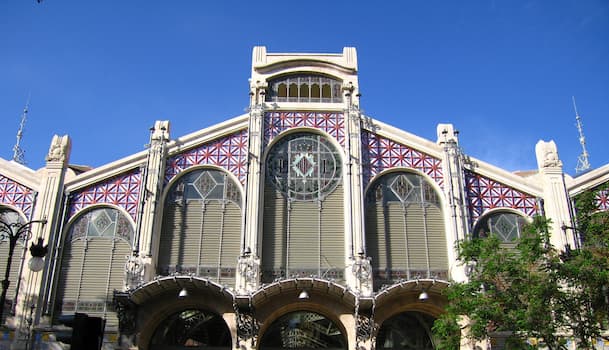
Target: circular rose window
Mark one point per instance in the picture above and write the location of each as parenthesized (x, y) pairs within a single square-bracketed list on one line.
[(304, 166)]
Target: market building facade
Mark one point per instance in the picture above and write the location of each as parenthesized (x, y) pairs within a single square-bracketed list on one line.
[(303, 223)]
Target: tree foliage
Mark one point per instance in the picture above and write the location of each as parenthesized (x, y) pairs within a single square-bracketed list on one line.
[(530, 293)]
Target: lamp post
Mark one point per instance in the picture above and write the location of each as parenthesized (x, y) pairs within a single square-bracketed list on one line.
[(13, 231)]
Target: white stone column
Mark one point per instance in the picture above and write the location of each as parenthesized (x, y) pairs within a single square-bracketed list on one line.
[(248, 272), (455, 213), (555, 195), (34, 290), (141, 266), (358, 273)]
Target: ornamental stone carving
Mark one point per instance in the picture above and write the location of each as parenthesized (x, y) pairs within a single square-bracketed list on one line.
[(362, 271), (249, 272), (59, 151), (134, 268), (547, 154)]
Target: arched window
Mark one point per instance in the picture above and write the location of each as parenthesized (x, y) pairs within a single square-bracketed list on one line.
[(304, 91), (305, 88), (506, 225), (303, 330), (192, 329), (303, 229), (293, 92), (405, 235), (11, 217), (201, 228), (92, 265), (282, 90), (315, 91), (406, 331)]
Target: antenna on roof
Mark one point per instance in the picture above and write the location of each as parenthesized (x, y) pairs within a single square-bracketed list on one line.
[(18, 153), (583, 164)]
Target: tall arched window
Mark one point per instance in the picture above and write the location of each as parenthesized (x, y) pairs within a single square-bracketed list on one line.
[(405, 233), (93, 262), (303, 233), (202, 227)]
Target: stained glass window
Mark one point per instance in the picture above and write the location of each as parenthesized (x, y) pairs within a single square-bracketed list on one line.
[(205, 184), (405, 188), (102, 222), (507, 226), (304, 166)]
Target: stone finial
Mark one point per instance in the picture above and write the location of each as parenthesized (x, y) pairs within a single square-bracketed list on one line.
[(160, 131), (447, 133), (60, 148), (547, 154)]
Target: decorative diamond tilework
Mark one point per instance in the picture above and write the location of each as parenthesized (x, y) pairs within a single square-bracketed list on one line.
[(276, 122), (380, 153), (17, 195), (602, 200), (123, 191), (484, 194), (229, 152)]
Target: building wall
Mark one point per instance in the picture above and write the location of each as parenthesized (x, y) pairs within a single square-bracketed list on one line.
[(347, 233)]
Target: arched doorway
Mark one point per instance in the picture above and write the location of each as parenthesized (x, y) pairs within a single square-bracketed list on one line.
[(303, 330), (191, 329), (408, 331)]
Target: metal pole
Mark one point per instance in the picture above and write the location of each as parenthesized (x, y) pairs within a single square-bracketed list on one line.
[(13, 231)]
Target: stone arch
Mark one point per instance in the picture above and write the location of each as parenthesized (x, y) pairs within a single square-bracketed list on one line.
[(160, 300)]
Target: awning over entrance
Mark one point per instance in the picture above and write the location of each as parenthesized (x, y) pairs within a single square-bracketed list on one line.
[(163, 285)]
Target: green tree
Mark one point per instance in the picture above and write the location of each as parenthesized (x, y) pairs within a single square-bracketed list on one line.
[(529, 291)]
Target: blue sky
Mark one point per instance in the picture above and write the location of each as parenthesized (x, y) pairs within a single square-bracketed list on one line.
[(502, 71)]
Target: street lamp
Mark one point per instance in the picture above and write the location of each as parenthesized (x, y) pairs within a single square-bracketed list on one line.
[(12, 231)]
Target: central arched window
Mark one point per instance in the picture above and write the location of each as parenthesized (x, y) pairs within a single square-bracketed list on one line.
[(304, 88), (303, 229)]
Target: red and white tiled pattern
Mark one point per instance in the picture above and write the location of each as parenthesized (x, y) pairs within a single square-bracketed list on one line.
[(380, 153), (17, 195), (602, 200), (484, 194), (276, 122), (122, 191), (229, 152)]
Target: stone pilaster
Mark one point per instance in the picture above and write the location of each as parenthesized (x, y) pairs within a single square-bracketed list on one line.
[(455, 214), (248, 273), (35, 291), (358, 273), (555, 195), (142, 264)]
